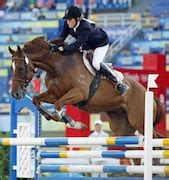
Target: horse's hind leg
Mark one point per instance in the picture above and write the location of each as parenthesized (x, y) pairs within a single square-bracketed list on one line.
[(119, 124)]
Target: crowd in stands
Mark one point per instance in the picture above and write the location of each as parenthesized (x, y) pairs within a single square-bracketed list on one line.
[(159, 8), (154, 39), (24, 28), (22, 5), (18, 5)]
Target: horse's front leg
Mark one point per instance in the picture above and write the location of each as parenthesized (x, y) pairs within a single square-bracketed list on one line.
[(48, 98), (73, 96)]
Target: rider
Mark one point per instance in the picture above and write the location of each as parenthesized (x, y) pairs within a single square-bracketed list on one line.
[(88, 36)]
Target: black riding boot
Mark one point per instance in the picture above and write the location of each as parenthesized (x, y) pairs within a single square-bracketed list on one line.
[(119, 85)]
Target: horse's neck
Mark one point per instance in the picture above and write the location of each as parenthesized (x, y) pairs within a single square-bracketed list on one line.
[(46, 64), (58, 65)]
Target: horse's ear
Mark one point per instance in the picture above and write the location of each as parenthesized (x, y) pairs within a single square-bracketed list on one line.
[(11, 50), (19, 49)]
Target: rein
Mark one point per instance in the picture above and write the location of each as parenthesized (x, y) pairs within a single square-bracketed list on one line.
[(26, 79)]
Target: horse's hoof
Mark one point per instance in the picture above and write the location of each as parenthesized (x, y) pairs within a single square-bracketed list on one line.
[(83, 126), (55, 118), (58, 106), (48, 118)]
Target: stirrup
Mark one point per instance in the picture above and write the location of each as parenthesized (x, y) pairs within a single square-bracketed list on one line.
[(121, 88)]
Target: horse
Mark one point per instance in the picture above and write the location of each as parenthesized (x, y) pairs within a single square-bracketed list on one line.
[(68, 82)]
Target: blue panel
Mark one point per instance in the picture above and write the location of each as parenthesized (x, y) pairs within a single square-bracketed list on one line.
[(114, 154), (49, 154), (56, 143), (49, 168), (114, 169), (127, 140)]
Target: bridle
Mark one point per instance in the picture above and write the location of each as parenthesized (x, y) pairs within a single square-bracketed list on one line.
[(26, 79)]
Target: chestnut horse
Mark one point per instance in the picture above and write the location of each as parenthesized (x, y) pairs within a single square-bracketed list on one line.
[(68, 82)]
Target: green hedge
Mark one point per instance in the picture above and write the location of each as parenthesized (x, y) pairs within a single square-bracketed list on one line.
[(4, 159)]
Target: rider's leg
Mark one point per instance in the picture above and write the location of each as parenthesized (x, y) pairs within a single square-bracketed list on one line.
[(103, 68), (98, 56), (120, 86)]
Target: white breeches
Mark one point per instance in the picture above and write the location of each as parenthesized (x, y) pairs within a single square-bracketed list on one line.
[(98, 56)]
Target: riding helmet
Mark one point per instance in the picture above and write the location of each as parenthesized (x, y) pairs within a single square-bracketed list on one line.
[(72, 12)]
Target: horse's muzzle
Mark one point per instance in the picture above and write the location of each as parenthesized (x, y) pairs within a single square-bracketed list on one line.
[(18, 93)]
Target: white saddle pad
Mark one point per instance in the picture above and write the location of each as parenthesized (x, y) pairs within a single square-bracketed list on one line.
[(93, 71)]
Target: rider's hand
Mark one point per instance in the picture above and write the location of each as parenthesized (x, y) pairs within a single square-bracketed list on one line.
[(80, 49), (54, 48), (60, 48)]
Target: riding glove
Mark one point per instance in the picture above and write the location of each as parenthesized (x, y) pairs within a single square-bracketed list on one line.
[(54, 48)]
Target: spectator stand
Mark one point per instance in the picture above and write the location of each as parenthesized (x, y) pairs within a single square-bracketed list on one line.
[(20, 27), (152, 39)]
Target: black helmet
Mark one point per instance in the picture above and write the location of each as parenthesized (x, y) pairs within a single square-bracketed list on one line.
[(72, 12)]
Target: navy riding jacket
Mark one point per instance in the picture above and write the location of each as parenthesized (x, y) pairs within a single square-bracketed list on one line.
[(87, 36)]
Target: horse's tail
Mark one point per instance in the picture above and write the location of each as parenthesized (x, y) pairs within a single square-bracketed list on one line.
[(159, 116)]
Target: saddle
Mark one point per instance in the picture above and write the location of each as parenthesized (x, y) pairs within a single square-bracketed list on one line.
[(87, 60)]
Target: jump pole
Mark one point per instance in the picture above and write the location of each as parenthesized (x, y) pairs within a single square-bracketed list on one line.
[(148, 127)]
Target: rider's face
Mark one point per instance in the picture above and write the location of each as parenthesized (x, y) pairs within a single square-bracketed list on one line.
[(71, 22)]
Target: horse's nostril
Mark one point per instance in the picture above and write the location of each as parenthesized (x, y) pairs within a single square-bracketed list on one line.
[(16, 94)]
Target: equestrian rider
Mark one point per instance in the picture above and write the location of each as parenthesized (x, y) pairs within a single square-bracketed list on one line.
[(88, 36)]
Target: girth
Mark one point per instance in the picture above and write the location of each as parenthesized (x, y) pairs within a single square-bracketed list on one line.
[(93, 88)]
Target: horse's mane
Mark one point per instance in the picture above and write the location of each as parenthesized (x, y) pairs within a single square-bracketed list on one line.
[(36, 45)]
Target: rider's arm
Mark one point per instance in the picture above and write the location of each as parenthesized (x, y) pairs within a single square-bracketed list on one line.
[(84, 34)]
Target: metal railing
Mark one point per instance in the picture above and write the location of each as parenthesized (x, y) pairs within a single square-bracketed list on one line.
[(122, 40), (115, 19), (132, 22)]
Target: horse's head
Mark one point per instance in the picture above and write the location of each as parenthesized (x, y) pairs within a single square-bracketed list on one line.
[(22, 72)]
